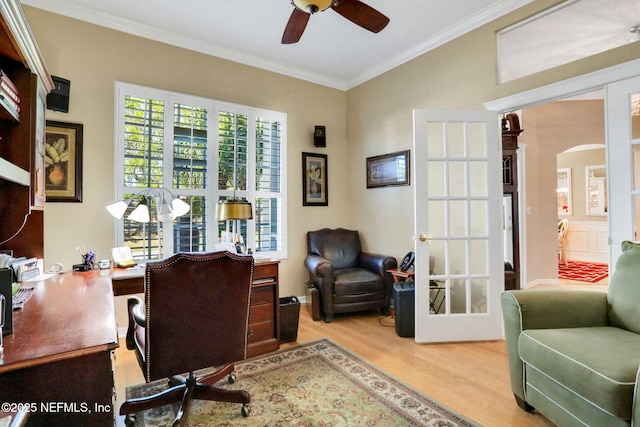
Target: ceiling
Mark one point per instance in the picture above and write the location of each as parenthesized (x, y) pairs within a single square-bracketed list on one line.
[(333, 51)]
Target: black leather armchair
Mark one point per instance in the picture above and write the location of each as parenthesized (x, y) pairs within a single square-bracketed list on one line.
[(347, 279)]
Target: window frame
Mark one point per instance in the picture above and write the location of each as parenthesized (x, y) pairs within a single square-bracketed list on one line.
[(211, 192)]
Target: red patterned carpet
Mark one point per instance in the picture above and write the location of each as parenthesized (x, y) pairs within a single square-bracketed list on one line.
[(583, 271)]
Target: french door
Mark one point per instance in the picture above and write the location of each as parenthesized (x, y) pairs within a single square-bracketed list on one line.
[(623, 163), (458, 225)]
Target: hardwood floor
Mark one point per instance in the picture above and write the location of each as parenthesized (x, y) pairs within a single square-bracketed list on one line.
[(470, 378)]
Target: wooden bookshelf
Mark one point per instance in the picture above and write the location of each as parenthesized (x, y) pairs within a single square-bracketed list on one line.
[(22, 128)]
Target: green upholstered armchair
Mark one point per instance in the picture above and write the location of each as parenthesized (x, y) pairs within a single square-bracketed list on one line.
[(574, 355)]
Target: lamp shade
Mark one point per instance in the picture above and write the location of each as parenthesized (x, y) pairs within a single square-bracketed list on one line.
[(234, 209), (141, 212), (165, 213), (117, 209), (312, 6), (179, 207)]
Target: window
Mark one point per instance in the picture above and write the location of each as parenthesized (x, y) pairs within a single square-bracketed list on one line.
[(202, 151)]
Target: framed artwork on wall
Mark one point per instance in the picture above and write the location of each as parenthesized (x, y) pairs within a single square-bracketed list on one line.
[(63, 162), (314, 180), (389, 169), (564, 192), (596, 180)]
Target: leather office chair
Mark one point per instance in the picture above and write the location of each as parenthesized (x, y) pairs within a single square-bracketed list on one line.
[(180, 327), (347, 279)]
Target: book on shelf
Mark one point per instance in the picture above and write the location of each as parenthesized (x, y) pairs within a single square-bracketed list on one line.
[(6, 89), (8, 100), (9, 108), (6, 82)]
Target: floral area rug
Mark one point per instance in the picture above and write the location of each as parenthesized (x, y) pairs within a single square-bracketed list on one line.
[(584, 271), (314, 384)]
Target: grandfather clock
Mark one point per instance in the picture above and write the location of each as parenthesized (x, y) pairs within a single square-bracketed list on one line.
[(510, 131)]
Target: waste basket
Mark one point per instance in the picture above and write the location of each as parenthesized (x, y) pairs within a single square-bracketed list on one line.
[(404, 297), (289, 315)]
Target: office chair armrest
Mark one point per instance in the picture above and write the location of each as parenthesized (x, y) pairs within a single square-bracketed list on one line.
[(136, 317)]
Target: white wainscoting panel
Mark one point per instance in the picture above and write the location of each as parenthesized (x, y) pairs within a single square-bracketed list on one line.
[(588, 241)]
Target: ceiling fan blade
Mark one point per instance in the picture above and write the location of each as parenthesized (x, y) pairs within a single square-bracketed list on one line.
[(295, 27), (361, 14)]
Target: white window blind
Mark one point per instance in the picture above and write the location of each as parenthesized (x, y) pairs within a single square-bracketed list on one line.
[(169, 140)]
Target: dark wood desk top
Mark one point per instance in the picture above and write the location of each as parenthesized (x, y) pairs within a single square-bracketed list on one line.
[(68, 315), (127, 281)]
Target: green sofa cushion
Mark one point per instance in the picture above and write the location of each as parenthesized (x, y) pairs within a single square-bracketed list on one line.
[(624, 289), (597, 363)]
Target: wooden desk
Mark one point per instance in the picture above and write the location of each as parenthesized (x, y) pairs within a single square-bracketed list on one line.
[(58, 358), (264, 321)]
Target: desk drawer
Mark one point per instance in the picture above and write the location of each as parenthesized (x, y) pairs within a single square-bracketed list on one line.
[(263, 271), (262, 295), (260, 313), (260, 331)]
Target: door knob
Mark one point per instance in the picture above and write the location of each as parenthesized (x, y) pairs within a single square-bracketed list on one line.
[(423, 237)]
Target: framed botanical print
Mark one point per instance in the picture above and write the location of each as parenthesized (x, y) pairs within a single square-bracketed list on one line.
[(314, 180), (63, 162)]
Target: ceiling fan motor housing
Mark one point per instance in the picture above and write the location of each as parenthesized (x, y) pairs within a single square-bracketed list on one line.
[(312, 6)]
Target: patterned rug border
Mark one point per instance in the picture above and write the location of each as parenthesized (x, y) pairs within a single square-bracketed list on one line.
[(417, 408), (584, 271)]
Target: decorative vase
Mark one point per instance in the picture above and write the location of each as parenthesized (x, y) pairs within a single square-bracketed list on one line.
[(56, 176)]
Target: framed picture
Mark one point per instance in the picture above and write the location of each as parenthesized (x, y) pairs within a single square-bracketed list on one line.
[(314, 180), (389, 169), (564, 192), (596, 180), (63, 162)]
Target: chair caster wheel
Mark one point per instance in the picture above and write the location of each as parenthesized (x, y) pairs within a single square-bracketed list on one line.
[(232, 378), (246, 410), (130, 420)]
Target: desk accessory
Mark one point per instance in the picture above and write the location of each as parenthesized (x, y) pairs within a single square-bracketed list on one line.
[(122, 257), (21, 297), (88, 260)]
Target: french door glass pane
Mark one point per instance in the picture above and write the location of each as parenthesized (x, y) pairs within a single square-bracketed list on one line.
[(455, 140), (436, 141), (436, 217), (479, 290), (477, 140), (457, 218), (457, 257), (457, 178), (435, 179)]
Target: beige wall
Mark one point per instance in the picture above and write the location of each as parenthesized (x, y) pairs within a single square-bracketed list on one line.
[(373, 118), (93, 58)]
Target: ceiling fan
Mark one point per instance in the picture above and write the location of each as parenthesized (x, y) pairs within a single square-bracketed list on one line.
[(354, 10)]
